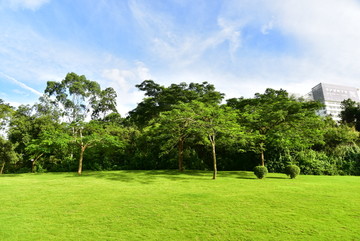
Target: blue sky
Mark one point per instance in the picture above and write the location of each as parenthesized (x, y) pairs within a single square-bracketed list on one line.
[(240, 46)]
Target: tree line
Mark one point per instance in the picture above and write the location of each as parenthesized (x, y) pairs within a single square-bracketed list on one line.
[(75, 126)]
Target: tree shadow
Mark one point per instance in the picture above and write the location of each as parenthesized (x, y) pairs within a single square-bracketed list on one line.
[(252, 178), (277, 177), (4, 175), (175, 175), (144, 176), (240, 175), (112, 176), (150, 176)]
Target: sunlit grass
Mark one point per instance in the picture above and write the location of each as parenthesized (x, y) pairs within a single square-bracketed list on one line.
[(167, 205)]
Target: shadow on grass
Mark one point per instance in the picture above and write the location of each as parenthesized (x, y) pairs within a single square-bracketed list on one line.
[(10, 175), (249, 175), (241, 175), (277, 177), (150, 176), (142, 176)]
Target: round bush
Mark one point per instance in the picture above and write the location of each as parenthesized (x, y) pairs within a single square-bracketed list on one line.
[(292, 171), (260, 171)]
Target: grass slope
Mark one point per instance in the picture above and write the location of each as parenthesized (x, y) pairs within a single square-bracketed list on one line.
[(166, 205)]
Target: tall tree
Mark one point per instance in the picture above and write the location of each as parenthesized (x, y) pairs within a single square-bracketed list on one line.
[(105, 104), (80, 99), (174, 127), (196, 120), (272, 113), (76, 96), (213, 121)]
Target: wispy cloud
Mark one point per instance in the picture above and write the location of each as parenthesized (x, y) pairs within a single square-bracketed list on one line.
[(323, 38), (22, 85), (230, 31), (265, 28), (123, 81), (34, 59), (329, 32), (183, 45), (24, 4)]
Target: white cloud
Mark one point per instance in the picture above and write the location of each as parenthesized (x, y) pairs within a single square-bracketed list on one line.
[(34, 59), (230, 31), (323, 36), (179, 46), (330, 34), (24, 4), (265, 29), (124, 81)]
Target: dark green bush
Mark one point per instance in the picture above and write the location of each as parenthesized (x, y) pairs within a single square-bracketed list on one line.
[(260, 171), (292, 171), (315, 163)]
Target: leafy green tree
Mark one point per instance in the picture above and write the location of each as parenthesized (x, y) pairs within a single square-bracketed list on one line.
[(194, 120), (89, 134), (212, 121), (341, 146), (111, 151), (22, 129), (5, 113), (276, 117), (75, 95), (7, 153), (48, 142), (174, 127), (27, 125), (350, 113), (159, 98), (303, 130), (105, 104), (336, 135), (79, 99), (47, 108)]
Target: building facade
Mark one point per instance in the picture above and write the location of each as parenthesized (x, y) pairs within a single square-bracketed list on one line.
[(332, 96)]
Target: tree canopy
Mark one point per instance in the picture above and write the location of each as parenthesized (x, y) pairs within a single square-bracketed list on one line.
[(159, 98)]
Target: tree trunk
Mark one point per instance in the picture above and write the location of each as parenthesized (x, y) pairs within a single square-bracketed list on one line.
[(33, 162), (262, 150), (2, 167), (72, 150), (181, 154), (33, 166), (83, 148), (212, 140)]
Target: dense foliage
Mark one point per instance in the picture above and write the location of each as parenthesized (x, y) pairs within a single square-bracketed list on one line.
[(75, 126)]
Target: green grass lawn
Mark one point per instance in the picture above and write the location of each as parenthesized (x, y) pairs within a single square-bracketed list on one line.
[(166, 205)]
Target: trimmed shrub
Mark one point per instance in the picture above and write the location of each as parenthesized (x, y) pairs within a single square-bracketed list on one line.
[(292, 171), (260, 171)]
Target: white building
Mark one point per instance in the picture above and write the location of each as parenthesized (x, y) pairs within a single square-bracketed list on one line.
[(332, 96)]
